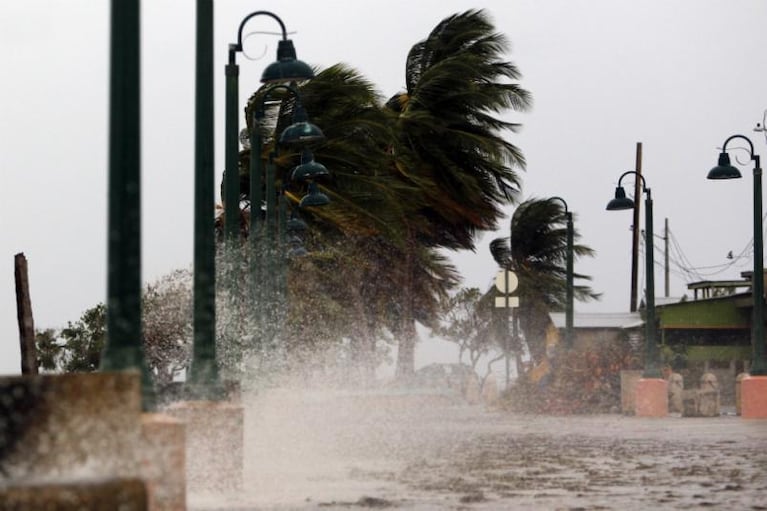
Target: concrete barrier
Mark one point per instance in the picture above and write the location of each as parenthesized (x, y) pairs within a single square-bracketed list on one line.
[(69, 426), (164, 461), (629, 379), (110, 494), (214, 444)]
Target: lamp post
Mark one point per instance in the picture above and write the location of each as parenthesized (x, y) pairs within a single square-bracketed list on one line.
[(124, 348), (620, 202), (651, 391), (285, 69), (569, 311), (203, 374), (725, 170), (300, 132), (754, 388)]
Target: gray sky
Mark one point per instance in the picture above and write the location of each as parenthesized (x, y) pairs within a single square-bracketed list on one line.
[(680, 76)]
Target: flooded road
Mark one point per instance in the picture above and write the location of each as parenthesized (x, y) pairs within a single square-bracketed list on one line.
[(335, 451)]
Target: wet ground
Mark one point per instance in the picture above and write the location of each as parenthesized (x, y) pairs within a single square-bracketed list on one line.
[(344, 452)]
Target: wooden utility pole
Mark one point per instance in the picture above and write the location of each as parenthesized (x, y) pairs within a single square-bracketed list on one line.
[(635, 228), (24, 314), (665, 257)]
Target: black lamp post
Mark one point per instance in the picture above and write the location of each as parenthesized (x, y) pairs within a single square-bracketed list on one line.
[(569, 311), (203, 374), (620, 202), (268, 274), (725, 170), (285, 69), (124, 349)]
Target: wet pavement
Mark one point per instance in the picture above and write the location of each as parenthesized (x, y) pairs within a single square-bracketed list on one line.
[(333, 451)]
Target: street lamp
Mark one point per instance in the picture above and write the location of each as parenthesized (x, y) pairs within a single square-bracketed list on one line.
[(124, 349), (286, 68), (569, 285), (620, 202), (203, 381), (299, 133), (651, 391), (725, 170)]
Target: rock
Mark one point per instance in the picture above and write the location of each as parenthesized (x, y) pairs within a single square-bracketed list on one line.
[(675, 388)]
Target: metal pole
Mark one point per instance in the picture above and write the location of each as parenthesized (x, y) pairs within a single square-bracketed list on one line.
[(569, 310), (652, 354), (204, 371), (124, 349), (506, 330), (635, 232), (256, 176), (758, 368), (232, 173)]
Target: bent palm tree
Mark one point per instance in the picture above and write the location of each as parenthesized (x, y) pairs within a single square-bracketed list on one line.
[(450, 143), (537, 251)]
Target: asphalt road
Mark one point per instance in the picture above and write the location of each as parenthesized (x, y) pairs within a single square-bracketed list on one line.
[(335, 451)]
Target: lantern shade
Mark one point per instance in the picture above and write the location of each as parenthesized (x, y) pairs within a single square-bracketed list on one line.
[(309, 169), (300, 133), (314, 198), (724, 169), (620, 201), (287, 68)]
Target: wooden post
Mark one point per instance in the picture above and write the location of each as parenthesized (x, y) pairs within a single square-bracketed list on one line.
[(24, 314)]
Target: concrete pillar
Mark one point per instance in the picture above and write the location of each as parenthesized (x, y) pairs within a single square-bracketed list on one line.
[(164, 461), (214, 444), (76, 425), (754, 397), (651, 397)]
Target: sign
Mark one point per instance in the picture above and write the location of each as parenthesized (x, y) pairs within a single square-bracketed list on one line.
[(506, 282)]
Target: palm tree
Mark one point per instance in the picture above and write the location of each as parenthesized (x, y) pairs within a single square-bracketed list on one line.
[(536, 251), (450, 143)]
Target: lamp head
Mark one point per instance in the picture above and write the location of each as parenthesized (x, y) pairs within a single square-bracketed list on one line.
[(620, 201), (295, 224), (724, 169), (309, 169), (314, 198), (302, 131), (287, 68)]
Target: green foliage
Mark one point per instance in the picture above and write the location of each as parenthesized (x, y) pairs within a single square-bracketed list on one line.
[(586, 381), (49, 350), (167, 315), (467, 320), (537, 252), (84, 341)]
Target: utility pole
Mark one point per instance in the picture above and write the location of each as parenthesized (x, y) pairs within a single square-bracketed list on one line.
[(665, 257), (635, 228)]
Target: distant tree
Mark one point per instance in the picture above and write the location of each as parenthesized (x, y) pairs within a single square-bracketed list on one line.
[(167, 316), (464, 323), (83, 341), (49, 349), (537, 252), (467, 320), (167, 325)]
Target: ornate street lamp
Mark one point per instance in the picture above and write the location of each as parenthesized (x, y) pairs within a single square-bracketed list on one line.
[(620, 202), (569, 338), (287, 68), (651, 391), (725, 170), (300, 133)]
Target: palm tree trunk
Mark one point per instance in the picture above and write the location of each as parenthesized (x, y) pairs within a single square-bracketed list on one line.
[(407, 332)]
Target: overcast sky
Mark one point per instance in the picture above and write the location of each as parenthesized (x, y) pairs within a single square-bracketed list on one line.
[(678, 76)]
